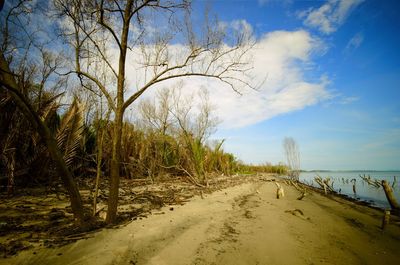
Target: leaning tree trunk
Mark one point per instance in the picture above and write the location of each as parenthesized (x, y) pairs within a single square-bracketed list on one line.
[(8, 82), (390, 197)]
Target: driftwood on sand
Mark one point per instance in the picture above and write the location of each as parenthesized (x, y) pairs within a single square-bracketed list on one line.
[(300, 188)]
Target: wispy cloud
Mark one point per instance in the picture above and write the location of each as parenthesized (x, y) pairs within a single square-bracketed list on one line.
[(348, 100), (281, 56), (330, 16), (354, 42)]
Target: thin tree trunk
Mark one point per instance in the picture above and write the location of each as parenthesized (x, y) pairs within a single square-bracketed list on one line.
[(100, 140), (98, 170), (119, 116), (8, 82), (115, 170)]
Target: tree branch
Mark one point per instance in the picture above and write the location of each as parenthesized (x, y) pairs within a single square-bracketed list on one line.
[(105, 25), (98, 83)]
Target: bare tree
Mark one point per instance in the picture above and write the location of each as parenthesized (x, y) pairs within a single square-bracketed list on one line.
[(131, 26), (292, 154), (194, 127), (156, 117), (173, 116), (156, 113)]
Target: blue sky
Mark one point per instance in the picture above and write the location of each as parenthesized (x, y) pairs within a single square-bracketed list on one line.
[(350, 61), (333, 81)]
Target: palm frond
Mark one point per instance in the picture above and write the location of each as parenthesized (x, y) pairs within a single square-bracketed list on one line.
[(70, 131)]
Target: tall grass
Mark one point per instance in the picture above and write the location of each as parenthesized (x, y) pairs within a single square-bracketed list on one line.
[(280, 169)]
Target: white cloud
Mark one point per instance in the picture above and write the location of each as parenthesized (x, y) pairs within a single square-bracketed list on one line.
[(330, 15), (354, 42), (281, 56)]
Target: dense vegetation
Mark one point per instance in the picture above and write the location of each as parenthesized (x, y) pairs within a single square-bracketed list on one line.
[(150, 149), (65, 96)]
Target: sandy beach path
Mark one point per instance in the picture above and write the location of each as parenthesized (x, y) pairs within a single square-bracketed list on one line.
[(245, 224)]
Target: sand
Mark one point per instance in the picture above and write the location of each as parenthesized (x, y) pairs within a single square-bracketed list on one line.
[(244, 224)]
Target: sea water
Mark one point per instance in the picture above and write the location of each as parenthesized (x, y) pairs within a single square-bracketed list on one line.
[(364, 192)]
